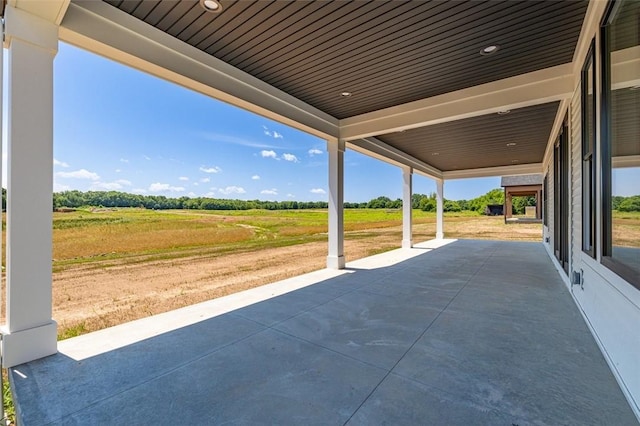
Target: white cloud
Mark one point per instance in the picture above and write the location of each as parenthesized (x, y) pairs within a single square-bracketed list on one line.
[(255, 177), (60, 163), (139, 191), (164, 187), (273, 134), (290, 157), (110, 186), (232, 190), (272, 191), (205, 180), (118, 170), (318, 191), (210, 194), (314, 151), (290, 196), (191, 194), (59, 188), (146, 157), (218, 138), (214, 169), (183, 178), (124, 160), (268, 154), (79, 174)]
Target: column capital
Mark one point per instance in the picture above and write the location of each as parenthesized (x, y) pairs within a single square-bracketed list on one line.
[(32, 29), (339, 144)]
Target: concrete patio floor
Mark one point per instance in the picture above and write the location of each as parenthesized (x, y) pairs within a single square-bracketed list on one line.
[(448, 333)]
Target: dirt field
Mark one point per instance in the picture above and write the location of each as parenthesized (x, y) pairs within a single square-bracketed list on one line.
[(107, 291), (112, 266)]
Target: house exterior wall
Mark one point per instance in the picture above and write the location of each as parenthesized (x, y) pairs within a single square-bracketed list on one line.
[(575, 131), (609, 304)]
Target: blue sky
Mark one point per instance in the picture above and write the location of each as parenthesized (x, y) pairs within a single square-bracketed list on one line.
[(116, 128)]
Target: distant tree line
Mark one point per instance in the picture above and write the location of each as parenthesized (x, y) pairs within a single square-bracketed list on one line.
[(75, 199), (626, 204)]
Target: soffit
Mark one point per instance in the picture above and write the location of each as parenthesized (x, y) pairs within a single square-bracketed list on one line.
[(385, 53), (480, 142)]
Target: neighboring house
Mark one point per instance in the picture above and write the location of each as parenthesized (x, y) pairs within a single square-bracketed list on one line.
[(448, 90)]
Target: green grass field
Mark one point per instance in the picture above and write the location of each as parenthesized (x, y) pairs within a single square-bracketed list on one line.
[(139, 235), (84, 235)]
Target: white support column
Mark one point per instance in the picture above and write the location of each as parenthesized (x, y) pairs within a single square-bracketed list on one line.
[(407, 218), (440, 209), (335, 259), (32, 43)]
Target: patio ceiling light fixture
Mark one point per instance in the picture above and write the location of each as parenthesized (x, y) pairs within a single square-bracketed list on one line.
[(512, 144), (504, 112), (345, 94), (489, 50), (212, 6)]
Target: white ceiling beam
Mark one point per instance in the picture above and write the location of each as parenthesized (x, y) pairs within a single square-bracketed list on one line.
[(538, 87), (625, 161), (590, 27), (520, 169), (375, 148), (625, 66), (49, 10), (107, 31), (555, 131)]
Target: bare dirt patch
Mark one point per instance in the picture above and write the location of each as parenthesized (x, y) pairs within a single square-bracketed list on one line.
[(89, 299)]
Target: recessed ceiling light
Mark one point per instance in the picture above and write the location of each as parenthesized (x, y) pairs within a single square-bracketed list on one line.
[(345, 94), (435, 153), (512, 144), (213, 6), (489, 50), (504, 112)]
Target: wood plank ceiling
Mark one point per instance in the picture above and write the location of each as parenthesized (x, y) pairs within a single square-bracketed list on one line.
[(384, 53), (485, 141)]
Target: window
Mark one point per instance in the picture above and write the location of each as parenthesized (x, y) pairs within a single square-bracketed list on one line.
[(620, 147), (561, 198), (588, 148)]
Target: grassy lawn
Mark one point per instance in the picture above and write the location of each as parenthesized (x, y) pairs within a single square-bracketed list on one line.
[(102, 234), (138, 235)]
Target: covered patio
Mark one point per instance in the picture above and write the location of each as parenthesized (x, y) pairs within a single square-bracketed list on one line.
[(448, 332)]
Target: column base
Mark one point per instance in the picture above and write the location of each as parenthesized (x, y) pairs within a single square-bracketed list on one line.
[(28, 345), (439, 235), (335, 262), (406, 244)]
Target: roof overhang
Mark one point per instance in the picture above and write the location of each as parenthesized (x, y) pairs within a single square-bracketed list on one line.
[(109, 32)]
